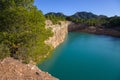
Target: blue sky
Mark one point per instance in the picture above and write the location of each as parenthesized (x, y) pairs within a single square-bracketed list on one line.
[(69, 7)]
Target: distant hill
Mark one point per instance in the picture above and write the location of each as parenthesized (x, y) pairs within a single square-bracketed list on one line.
[(102, 16), (84, 15), (78, 15), (87, 15)]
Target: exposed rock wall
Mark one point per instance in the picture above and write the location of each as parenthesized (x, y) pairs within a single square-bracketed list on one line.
[(60, 30), (74, 26)]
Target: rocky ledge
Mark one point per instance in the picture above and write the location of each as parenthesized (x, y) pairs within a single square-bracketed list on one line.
[(11, 69)]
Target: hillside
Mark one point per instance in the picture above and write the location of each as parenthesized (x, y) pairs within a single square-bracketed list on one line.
[(78, 15), (89, 22), (84, 15)]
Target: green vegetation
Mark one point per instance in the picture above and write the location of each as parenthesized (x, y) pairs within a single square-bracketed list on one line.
[(89, 22), (113, 22), (91, 19), (4, 51), (22, 31), (55, 18), (86, 18)]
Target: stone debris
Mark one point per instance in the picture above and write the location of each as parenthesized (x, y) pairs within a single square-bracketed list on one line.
[(11, 69)]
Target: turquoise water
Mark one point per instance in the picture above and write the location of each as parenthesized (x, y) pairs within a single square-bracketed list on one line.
[(85, 57)]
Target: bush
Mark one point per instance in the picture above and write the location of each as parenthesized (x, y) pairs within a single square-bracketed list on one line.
[(55, 19), (4, 51)]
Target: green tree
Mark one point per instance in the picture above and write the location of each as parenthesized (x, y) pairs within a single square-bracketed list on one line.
[(114, 22), (8, 4), (54, 18), (22, 30)]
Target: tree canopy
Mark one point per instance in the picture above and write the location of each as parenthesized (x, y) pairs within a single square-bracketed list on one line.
[(55, 17), (22, 30)]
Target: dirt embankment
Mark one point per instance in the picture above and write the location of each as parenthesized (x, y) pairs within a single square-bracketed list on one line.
[(11, 69)]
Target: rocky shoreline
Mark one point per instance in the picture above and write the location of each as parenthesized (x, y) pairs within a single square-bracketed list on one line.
[(100, 31), (94, 30)]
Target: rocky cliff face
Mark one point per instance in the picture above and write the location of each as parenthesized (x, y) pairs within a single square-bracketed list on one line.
[(74, 27), (60, 30)]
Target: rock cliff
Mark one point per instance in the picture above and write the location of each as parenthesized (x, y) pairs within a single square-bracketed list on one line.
[(74, 27), (60, 30)]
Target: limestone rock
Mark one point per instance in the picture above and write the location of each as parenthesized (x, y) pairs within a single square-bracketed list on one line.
[(59, 30)]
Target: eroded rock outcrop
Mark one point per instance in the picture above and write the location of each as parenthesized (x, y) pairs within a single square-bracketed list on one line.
[(60, 30), (11, 69)]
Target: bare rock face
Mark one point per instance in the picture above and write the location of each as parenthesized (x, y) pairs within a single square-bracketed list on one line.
[(11, 69), (74, 27), (60, 30)]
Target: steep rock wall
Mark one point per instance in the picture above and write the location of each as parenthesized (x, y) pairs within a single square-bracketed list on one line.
[(60, 30), (74, 27)]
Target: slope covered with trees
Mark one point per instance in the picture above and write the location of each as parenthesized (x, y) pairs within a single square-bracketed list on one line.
[(89, 22), (87, 18), (22, 31), (55, 17)]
